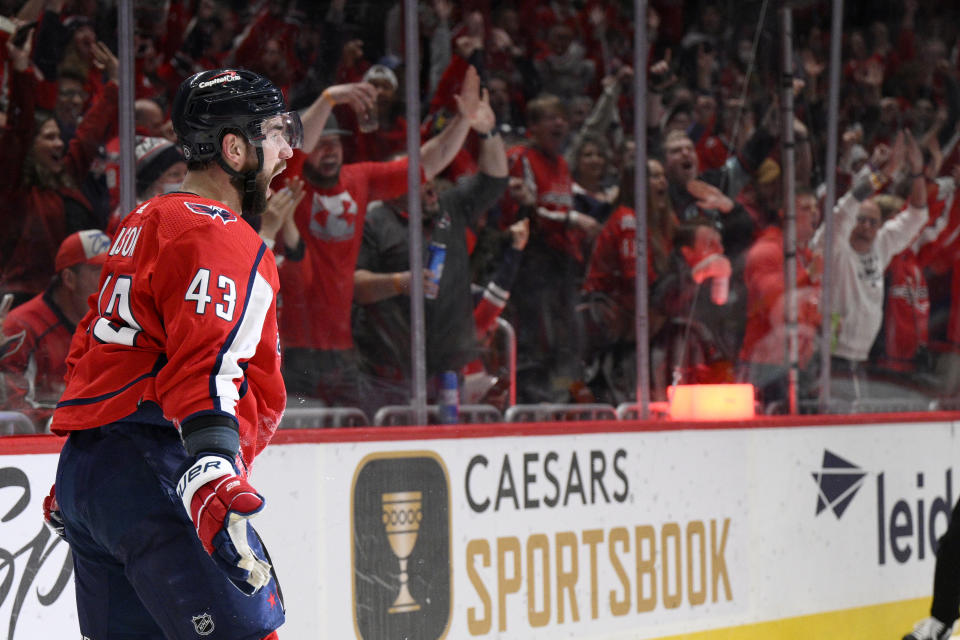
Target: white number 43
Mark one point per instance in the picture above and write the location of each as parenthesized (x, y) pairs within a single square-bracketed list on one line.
[(198, 292)]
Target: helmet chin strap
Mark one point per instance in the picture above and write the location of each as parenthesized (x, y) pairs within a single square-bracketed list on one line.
[(249, 178)]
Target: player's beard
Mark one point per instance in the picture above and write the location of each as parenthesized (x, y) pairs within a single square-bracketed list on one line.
[(254, 203)]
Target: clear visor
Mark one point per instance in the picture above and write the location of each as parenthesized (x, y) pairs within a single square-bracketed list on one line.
[(280, 130)]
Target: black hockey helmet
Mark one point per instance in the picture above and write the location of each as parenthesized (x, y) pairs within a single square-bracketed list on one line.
[(210, 103)]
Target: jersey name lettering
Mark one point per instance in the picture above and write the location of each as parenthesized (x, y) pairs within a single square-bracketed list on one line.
[(125, 242)]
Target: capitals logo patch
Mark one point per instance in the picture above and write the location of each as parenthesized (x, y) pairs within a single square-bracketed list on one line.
[(217, 213), (203, 624)]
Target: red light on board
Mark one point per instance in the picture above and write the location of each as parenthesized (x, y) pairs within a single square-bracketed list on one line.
[(711, 401)]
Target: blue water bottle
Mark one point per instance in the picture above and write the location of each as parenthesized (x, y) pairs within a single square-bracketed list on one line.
[(436, 257), (448, 400)]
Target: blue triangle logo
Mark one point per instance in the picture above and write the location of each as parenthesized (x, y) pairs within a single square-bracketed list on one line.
[(837, 483)]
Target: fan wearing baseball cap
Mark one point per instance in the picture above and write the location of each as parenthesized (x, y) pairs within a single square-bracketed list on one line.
[(36, 335), (390, 136)]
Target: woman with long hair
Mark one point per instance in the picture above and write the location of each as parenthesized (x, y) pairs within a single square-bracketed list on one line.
[(609, 298), (40, 200)]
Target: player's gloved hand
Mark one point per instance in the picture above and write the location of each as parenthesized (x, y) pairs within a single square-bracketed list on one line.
[(220, 503), (51, 512)]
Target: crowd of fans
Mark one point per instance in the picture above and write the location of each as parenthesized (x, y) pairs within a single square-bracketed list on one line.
[(527, 191)]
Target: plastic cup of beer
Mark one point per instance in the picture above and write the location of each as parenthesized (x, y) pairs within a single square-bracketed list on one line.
[(367, 120)]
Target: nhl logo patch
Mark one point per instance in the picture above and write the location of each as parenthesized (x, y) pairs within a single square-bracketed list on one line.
[(203, 624)]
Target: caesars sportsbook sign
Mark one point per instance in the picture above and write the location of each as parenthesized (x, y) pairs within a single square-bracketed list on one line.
[(631, 535), (526, 538)]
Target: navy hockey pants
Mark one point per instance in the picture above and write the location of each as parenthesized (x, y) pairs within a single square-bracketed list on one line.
[(140, 570)]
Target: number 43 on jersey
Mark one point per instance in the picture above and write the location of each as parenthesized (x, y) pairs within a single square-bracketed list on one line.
[(123, 329), (198, 292)]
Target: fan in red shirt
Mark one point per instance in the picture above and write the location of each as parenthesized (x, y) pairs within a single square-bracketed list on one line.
[(37, 333), (917, 321), (317, 277), (609, 290), (548, 332), (612, 268), (764, 350)]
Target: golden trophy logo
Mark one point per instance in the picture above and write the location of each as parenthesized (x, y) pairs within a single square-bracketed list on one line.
[(402, 513), (400, 546)]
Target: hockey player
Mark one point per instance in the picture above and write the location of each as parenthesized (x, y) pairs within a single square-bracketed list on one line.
[(174, 387)]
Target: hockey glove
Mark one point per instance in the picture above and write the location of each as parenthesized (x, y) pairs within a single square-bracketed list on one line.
[(220, 503), (51, 512)]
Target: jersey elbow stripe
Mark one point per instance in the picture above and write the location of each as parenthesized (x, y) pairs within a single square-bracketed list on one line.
[(549, 214), (161, 361), (496, 296), (242, 341)]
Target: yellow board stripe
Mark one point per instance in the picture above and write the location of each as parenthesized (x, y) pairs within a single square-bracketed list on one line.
[(891, 620)]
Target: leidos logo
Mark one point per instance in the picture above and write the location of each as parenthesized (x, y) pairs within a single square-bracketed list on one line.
[(837, 483), (906, 512), (911, 523), (400, 531)]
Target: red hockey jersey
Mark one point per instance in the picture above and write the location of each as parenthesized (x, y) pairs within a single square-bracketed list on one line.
[(907, 310), (549, 178), (186, 319), (613, 263)]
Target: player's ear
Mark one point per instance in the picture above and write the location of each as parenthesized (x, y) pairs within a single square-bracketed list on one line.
[(233, 149)]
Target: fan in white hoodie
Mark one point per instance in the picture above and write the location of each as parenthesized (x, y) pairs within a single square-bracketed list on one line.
[(863, 247)]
